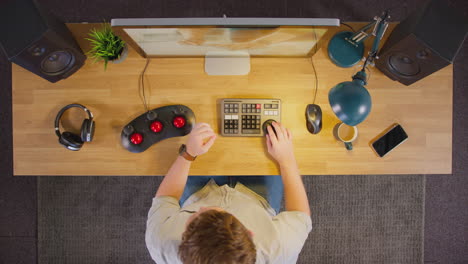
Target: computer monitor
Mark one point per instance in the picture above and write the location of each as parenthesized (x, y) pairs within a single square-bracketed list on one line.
[(226, 43)]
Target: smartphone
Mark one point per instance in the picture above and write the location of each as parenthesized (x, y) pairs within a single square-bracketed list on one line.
[(394, 136)]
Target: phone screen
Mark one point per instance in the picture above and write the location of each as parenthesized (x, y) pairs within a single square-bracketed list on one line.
[(390, 140)]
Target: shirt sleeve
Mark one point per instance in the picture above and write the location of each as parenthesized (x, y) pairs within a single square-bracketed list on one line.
[(160, 213), (294, 228)]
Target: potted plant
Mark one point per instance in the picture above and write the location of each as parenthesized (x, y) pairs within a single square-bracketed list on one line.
[(106, 46)]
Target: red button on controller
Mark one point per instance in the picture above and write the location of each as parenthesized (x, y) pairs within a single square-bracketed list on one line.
[(179, 122), (156, 126), (136, 138)]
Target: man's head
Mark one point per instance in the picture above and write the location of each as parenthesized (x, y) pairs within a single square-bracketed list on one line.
[(213, 235)]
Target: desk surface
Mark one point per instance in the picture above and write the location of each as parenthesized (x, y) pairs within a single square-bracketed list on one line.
[(423, 109)]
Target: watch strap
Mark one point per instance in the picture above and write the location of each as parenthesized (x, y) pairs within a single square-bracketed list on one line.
[(185, 155)]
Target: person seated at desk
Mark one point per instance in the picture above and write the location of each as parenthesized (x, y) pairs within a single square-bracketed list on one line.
[(221, 219)]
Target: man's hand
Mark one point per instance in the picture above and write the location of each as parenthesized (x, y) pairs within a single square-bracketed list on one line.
[(196, 143), (280, 145)]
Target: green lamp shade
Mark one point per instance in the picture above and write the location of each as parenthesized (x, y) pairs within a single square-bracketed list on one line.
[(350, 101)]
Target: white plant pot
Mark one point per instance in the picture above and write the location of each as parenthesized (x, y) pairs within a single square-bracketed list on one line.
[(123, 55)]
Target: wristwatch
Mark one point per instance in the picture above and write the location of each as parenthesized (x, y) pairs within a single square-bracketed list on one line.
[(183, 153)]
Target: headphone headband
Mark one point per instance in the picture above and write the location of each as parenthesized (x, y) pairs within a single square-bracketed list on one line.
[(65, 108)]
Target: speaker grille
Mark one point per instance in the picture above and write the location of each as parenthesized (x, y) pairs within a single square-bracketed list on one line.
[(403, 64), (57, 62)]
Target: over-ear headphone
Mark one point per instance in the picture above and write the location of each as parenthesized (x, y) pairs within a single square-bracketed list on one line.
[(70, 140)]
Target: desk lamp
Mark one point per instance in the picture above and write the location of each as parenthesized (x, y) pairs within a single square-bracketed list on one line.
[(350, 101)]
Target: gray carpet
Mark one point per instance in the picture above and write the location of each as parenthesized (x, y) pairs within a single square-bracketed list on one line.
[(356, 219), (94, 219), (365, 219)]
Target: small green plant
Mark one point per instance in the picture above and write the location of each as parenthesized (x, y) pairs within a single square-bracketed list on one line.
[(105, 45)]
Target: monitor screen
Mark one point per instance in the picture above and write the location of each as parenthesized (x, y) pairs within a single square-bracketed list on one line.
[(190, 37), (196, 41)]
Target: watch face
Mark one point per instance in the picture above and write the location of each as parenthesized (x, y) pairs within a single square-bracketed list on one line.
[(182, 149)]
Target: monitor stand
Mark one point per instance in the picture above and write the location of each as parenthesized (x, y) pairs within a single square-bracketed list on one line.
[(227, 63)]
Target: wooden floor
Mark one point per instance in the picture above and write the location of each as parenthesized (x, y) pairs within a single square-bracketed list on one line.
[(423, 109)]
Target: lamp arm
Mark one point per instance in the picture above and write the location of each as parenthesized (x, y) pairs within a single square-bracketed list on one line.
[(379, 31), (361, 34)]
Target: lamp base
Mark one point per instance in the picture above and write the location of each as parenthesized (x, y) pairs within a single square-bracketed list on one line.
[(342, 52)]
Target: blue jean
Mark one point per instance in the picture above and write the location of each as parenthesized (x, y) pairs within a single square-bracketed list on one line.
[(269, 187)]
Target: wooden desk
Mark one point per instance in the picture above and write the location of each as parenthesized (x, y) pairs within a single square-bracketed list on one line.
[(424, 110)]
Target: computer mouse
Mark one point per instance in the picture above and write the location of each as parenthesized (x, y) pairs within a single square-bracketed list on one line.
[(313, 115), (266, 124)]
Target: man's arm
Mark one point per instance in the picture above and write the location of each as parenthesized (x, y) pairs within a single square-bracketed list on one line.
[(281, 149), (174, 182)]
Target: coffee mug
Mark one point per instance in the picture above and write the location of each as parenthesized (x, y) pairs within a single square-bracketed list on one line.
[(347, 134)]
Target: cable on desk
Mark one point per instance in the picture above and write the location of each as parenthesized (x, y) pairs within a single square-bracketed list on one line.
[(350, 27), (141, 85), (313, 66)]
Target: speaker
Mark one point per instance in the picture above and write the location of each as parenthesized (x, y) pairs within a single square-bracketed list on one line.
[(425, 42), (37, 41)]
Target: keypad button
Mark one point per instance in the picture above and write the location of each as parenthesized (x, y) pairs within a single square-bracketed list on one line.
[(274, 106)]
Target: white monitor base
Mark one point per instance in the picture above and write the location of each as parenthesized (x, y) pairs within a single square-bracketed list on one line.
[(227, 63)]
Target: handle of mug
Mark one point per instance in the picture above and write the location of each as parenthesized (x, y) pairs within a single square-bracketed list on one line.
[(348, 145)]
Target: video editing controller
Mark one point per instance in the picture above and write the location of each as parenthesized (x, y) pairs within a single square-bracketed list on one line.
[(248, 117), (156, 125)]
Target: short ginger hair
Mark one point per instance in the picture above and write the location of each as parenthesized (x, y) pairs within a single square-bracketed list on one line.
[(217, 237)]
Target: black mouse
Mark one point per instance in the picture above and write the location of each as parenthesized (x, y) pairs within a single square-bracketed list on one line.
[(266, 124), (313, 115)]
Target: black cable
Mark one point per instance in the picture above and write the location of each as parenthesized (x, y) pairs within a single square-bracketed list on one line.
[(350, 27), (313, 66), (141, 85)]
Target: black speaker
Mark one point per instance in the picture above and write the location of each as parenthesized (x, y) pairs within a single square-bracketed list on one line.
[(425, 42), (37, 41)]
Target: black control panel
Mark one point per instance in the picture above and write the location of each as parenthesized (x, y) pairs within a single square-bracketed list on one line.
[(156, 125)]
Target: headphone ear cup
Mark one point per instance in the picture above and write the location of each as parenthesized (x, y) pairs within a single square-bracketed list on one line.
[(87, 130), (71, 141)]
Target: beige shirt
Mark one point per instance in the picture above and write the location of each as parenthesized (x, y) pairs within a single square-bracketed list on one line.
[(278, 238)]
